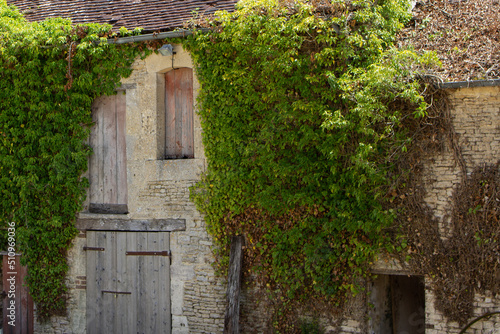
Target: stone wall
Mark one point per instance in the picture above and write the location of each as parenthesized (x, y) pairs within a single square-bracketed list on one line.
[(475, 113), (476, 119)]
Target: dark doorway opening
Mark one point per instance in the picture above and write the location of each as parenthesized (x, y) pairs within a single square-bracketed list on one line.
[(397, 305)]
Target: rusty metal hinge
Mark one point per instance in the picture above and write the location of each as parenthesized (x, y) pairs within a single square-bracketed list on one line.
[(158, 253), (85, 248)]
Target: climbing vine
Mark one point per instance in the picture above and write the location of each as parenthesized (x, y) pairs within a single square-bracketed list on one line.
[(50, 72), (304, 110)]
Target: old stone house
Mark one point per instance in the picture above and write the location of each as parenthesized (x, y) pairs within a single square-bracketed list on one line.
[(142, 261)]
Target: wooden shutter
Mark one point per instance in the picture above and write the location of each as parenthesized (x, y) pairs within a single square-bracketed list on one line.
[(108, 167), (179, 139)]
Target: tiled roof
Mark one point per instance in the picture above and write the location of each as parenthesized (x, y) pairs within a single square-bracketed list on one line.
[(465, 35), (151, 15)]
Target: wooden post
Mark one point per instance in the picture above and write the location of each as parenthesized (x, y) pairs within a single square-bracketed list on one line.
[(231, 320)]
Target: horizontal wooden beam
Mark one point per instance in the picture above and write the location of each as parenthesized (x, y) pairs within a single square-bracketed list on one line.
[(113, 224)]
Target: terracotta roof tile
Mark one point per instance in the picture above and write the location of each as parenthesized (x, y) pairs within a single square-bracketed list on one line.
[(151, 15)]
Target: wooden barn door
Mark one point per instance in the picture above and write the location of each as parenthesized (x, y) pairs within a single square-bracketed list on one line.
[(128, 282), (108, 164), (17, 303)]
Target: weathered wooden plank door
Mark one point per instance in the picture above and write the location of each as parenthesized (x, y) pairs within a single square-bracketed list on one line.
[(128, 282), (179, 131), (17, 303), (108, 164)]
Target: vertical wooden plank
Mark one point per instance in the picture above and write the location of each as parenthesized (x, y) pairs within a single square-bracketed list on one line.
[(142, 278), (153, 263), (178, 113), (19, 282), (102, 300), (100, 241), (109, 277), (31, 315), (92, 292), (132, 270), (6, 276), (101, 137), (14, 275), (148, 283), (121, 149), (96, 159), (5, 302), (185, 96), (122, 284), (24, 300), (231, 319), (170, 114), (164, 285), (109, 151)]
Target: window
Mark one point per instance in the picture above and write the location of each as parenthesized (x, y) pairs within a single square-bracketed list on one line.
[(108, 163), (179, 138)]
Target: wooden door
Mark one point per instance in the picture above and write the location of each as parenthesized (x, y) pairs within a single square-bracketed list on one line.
[(128, 282), (17, 303), (108, 164)]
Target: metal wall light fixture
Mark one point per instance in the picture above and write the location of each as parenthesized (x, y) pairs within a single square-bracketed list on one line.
[(167, 50)]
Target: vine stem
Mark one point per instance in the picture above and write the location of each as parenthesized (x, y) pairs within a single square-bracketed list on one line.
[(68, 74), (486, 315)]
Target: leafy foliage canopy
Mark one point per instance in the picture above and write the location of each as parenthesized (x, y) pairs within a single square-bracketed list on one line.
[(302, 108)]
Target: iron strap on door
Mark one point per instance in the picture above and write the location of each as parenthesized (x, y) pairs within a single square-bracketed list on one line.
[(143, 253), (85, 248), (117, 292)]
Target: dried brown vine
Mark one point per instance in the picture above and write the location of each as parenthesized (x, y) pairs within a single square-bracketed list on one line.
[(461, 258)]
